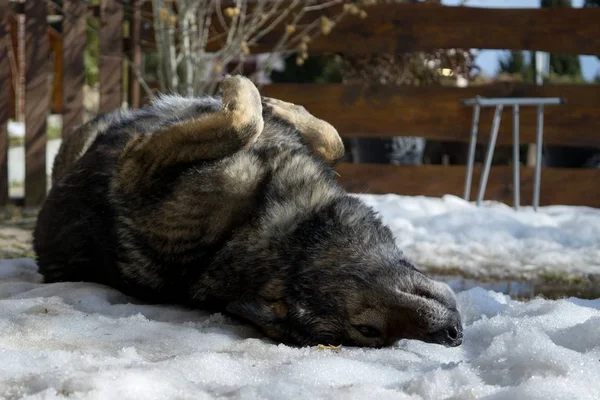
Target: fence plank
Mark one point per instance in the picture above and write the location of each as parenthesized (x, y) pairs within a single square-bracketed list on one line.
[(37, 101), (136, 53), (15, 102), (111, 55), (559, 185), (401, 28), (435, 112), (56, 48), (74, 42), (4, 96)]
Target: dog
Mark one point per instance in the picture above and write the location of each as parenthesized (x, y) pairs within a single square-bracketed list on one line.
[(231, 204)]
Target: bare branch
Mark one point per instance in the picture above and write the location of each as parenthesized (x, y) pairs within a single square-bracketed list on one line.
[(140, 78), (322, 6), (239, 28)]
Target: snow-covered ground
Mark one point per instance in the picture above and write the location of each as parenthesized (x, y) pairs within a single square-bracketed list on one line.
[(16, 161), (85, 341), (494, 240), (16, 154)]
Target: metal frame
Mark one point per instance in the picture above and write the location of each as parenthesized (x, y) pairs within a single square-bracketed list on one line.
[(499, 104)]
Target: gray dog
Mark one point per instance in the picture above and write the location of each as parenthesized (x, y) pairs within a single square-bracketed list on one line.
[(231, 204)]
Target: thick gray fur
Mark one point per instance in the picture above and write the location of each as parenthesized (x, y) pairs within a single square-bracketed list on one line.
[(256, 226)]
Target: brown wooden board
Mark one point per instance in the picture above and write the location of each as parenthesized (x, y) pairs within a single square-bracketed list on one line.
[(13, 28), (4, 96), (436, 112), (74, 42), (147, 39), (56, 48), (401, 28), (135, 53), (558, 185), (111, 55), (37, 101)]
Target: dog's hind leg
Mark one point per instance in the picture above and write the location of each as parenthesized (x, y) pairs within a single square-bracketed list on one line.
[(212, 136), (320, 136)]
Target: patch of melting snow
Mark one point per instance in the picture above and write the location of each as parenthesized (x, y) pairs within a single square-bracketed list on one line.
[(493, 240)]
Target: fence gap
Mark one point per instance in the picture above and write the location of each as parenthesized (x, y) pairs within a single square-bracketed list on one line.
[(111, 55)]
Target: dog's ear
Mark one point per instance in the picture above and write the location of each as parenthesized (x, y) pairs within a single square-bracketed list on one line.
[(259, 310), (267, 309), (273, 290), (267, 315)]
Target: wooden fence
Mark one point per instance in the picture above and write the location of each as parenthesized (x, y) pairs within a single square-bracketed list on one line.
[(373, 111)]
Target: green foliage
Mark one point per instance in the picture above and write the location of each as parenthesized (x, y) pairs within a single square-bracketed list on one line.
[(92, 52), (573, 79), (513, 63), (556, 3), (517, 67), (150, 61), (317, 69), (568, 65)]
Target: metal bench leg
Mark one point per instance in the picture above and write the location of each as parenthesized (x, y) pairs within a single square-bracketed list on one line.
[(538, 157), (516, 162), (472, 144), (490, 153)]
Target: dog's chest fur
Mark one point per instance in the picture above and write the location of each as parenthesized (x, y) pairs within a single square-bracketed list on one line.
[(175, 241)]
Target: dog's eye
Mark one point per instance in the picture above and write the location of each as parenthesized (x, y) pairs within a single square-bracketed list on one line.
[(368, 331)]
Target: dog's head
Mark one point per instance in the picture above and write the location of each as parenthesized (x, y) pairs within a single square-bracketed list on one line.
[(351, 287)]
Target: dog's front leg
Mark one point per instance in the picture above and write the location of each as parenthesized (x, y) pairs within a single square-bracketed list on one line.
[(235, 127), (321, 137)]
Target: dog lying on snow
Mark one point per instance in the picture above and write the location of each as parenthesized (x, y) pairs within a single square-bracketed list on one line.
[(231, 204)]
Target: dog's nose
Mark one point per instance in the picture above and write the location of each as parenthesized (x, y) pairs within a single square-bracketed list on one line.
[(450, 336)]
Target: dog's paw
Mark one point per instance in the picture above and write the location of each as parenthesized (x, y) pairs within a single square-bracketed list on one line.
[(240, 94)]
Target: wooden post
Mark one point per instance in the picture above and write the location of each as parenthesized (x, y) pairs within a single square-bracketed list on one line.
[(136, 53), (56, 47), (4, 95), (111, 55), (74, 41), (37, 101), (21, 64), (537, 79)]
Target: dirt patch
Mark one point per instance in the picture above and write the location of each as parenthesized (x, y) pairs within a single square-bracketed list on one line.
[(16, 227)]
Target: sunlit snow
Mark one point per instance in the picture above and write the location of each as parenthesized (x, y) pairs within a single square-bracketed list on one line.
[(494, 239), (86, 341)]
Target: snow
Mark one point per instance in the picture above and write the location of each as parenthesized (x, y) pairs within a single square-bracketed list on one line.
[(86, 341), (494, 240), (16, 129), (16, 160)]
